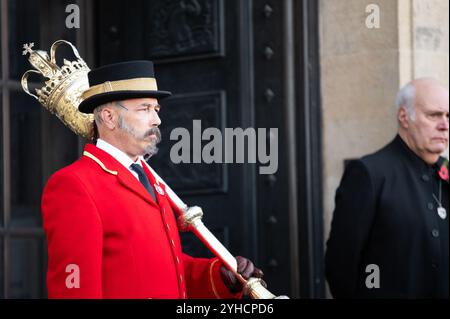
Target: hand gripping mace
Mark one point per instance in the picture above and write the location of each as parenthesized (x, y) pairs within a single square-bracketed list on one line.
[(190, 219)]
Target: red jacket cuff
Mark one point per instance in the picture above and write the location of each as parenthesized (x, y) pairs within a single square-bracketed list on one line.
[(219, 288)]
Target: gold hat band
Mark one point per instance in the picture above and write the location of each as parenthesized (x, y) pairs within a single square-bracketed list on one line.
[(137, 84)]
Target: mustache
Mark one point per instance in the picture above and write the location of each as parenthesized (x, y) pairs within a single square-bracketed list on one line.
[(154, 131)]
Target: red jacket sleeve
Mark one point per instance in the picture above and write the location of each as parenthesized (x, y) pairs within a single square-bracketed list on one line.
[(74, 237), (203, 279)]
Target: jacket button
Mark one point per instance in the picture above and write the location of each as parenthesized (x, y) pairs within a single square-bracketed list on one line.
[(425, 177), (435, 233), (430, 206)]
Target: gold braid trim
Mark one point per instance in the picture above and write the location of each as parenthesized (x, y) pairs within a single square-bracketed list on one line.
[(137, 84), (211, 276), (95, 159)]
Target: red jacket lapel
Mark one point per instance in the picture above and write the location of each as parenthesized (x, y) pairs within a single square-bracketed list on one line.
[(124, 176)]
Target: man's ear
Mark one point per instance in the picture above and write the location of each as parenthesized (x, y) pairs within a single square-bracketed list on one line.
[(403, 117), (109, 117)]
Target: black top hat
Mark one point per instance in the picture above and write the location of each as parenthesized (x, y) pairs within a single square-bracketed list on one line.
[(120, 81)]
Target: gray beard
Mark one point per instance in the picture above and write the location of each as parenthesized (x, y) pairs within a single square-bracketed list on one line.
[(150, 149)]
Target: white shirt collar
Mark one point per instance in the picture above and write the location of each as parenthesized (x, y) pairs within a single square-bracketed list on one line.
[(120, 156)]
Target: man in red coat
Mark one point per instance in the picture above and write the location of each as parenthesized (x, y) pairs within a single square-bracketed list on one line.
[(110, 227)]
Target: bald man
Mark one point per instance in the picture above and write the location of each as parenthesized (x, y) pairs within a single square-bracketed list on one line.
[(389, 234)]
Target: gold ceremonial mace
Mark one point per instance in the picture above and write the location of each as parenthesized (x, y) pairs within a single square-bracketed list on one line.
[(190, 219)]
